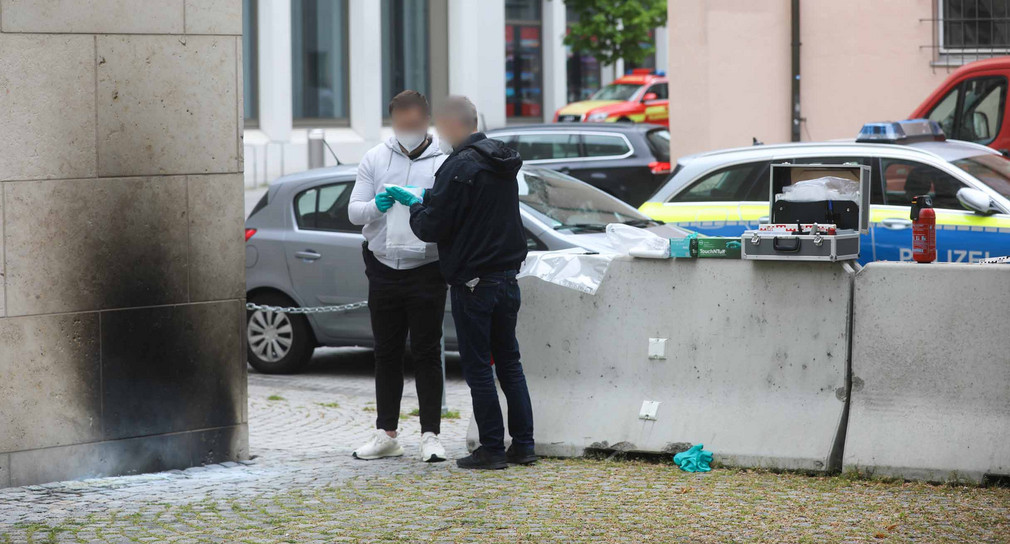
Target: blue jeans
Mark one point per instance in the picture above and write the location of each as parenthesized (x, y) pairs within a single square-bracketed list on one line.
[(486, 326)]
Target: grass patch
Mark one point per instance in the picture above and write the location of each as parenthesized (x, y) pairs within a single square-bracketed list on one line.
[(448, 414), (275, 397), (328, 404), (369, 408)]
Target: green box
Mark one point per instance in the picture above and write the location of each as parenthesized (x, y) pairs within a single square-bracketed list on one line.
[(719, 248)]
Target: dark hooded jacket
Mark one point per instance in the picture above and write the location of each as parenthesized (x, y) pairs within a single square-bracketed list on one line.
[(472, 211)]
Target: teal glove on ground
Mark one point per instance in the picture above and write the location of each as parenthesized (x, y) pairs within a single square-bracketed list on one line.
[(695, 459), (403, 196), (384, 202)]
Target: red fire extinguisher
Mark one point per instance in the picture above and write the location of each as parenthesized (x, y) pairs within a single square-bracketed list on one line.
[(923, 229)]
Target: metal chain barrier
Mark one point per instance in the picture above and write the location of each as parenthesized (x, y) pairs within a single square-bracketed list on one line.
[(314, 310)]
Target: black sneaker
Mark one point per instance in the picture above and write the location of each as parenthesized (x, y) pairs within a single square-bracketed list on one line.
[(481, 459), (518, 456)]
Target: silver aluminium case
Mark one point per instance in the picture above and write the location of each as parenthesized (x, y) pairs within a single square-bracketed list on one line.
[(844, 245)]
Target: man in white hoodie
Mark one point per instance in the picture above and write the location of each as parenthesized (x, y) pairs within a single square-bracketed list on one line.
[(405, 295)]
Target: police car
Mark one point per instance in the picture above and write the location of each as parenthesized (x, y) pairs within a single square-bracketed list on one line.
[(723, 193)]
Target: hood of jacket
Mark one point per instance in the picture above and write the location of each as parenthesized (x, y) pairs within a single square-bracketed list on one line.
[(494, 155)]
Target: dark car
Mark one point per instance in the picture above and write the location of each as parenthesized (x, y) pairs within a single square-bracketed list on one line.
[(628, 161)]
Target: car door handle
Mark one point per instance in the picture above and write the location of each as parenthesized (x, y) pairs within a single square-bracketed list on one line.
[(308, 255), (896, 223)]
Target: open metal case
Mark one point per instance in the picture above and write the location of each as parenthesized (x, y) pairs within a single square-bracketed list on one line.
[(817, 230)]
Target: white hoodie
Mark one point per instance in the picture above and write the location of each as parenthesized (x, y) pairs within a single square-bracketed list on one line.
[(387, 164)]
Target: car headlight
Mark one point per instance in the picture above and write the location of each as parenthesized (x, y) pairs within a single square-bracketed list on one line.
[(597, 117)]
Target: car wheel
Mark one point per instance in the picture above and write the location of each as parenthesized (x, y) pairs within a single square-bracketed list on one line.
[(277, 342)]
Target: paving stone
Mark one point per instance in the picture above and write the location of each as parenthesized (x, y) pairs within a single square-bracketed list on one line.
[(304, 487)]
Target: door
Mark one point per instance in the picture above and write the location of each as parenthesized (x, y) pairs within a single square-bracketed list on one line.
[(961, 235), (603, 165), (325, 262), (657, 110)]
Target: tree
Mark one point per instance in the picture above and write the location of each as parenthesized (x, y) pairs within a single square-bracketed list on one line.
[(610, 30)]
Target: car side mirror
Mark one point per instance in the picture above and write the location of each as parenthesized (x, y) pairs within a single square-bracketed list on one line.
[(981, 125), (649, 96), (975, 200)]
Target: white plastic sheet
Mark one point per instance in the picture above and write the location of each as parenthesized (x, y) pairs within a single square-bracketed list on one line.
[(401, 243), (568, 268), (824, 188), (637, 242)]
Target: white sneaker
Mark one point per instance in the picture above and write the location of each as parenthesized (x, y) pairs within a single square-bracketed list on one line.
[(379, 446), (431, 448)]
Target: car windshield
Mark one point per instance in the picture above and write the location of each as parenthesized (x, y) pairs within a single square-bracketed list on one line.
[(617, 91), (993, 170), (567, 203)]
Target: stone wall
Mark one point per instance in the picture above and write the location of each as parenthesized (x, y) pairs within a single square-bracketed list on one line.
[(121, 320)]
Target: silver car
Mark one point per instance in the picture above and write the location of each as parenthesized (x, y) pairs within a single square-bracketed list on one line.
[(302, 251)]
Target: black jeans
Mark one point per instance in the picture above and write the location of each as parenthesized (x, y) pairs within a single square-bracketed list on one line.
[(401, 302), (486, 326)]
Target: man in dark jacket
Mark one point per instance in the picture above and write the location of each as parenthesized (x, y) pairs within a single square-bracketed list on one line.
[(472, 213)]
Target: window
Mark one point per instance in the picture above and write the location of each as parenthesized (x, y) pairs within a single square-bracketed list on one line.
[(973, 25), (981, 111), (250, 61), (305, 208), (661, 90), (405, 49), (944, 112), (538, 147), (904, 179), (583, 69), (523, 59), (993, 170), (659, 142), (972, 111), (726, 184), (617, 91), (319, 60), (325, 208), (598, 145)]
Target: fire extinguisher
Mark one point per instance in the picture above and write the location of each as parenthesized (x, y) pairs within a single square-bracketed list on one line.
[(923, 229)]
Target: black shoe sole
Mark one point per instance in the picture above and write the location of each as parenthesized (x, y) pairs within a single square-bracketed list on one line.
[(495, 466), (524, 460)]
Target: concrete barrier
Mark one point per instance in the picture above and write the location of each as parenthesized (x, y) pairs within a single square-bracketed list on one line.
[(931, 372), (755, 360)]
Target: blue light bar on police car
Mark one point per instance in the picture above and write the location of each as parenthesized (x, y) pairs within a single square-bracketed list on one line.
[(910, 130)]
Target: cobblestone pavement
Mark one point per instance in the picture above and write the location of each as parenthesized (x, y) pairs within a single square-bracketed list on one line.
[(303, 486)]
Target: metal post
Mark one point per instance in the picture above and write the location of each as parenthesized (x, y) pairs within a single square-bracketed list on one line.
[(316, 157), (797, 118)]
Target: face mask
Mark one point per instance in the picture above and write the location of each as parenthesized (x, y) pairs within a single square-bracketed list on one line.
[(445, 147), (410, 140)]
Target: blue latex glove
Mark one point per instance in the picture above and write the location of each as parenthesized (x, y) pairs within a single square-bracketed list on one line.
[(695, 459), (403, 196), (384, 202)]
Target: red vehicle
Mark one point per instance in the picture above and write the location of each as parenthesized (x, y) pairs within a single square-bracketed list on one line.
[(971, 104), (639, 97)]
